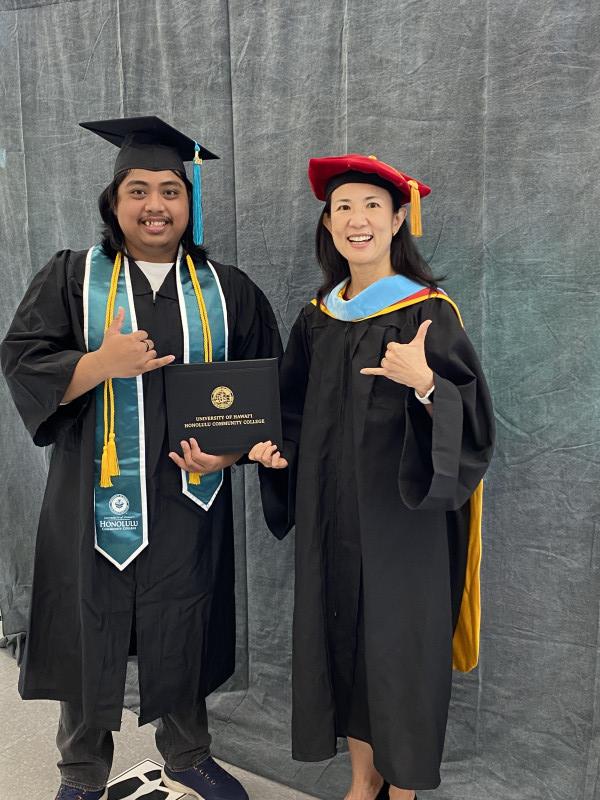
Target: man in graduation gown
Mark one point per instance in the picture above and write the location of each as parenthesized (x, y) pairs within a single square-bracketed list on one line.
[(384, 488), (135, 548)]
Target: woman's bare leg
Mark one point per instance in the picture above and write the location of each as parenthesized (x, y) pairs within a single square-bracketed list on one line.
[(366, 781), (401, 794)]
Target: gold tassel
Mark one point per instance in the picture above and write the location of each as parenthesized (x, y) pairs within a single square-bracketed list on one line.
[(194, 478), (105, 481), (415, 209), (113, 460)]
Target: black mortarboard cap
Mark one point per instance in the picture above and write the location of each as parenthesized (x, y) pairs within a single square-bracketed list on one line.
[(147, 143)]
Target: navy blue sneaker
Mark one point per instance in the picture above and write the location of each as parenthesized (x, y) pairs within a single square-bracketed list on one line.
[(207, 781), (70, 793)]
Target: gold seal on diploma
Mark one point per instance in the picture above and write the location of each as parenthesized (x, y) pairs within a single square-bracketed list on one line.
[(222, 397)]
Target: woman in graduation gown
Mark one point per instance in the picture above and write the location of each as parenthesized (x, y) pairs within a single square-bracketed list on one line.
[(388, 430), (164, 587)]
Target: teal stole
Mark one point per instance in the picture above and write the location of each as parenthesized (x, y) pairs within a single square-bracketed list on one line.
[(120, 508)]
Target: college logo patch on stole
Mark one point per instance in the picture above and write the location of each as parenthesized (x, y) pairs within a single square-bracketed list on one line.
[(121, 513)]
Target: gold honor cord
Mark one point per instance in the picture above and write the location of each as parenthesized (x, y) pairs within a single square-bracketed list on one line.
[(194, 477), (202, 309), (109, 467)]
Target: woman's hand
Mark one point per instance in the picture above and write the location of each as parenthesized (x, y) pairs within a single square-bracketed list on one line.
[(194, 460), (127, 355), (267, 454), (406, 363)]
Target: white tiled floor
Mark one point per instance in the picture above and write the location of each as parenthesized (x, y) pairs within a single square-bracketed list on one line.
[(28, 752)]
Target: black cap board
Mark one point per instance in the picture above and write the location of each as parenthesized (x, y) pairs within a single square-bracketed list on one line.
[(147, 143)]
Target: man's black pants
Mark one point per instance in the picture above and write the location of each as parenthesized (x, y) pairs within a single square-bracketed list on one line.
[(86, 753)]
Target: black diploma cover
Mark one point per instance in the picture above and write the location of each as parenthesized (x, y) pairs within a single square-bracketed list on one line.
[(227, 406)]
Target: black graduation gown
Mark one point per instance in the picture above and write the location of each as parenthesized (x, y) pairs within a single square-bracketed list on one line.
[(180, 588), (379, 493)]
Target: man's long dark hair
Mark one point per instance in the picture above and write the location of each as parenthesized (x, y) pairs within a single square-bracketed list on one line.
[(113, 240), (406, 259)]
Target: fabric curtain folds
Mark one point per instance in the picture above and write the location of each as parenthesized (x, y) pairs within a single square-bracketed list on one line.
[(495, 106)]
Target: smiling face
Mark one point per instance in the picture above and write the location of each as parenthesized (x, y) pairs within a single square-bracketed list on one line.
[(362, 222), (152, 210)]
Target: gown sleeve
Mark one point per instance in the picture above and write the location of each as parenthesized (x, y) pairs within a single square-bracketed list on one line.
[(40, 352), (278, 486), (253, 327), (444, 458)]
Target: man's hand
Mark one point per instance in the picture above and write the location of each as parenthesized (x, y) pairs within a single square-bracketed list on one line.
[(119, 356), (194, 460), (406, 363), (267, 454), (127, 355)]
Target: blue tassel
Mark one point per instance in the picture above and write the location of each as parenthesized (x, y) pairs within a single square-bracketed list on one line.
[(197, 199)]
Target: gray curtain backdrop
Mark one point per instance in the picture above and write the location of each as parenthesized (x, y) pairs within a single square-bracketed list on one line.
[(496, 105)]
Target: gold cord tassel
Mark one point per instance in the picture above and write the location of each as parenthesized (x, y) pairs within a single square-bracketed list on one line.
[(113, 459), (194, 478), (415, 209), (105, 481)]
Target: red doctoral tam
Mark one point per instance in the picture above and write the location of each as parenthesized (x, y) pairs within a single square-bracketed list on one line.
[(322, 174)]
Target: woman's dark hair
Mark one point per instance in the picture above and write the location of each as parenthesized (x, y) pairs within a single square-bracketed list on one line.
[(112, 235), (406, 259)]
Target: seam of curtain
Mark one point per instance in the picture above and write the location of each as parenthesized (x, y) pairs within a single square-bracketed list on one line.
[(25, 171), (244, 538), (344, 65), (592, 767), (244, 515), (483, 316), (121, 70), (233, 159)]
